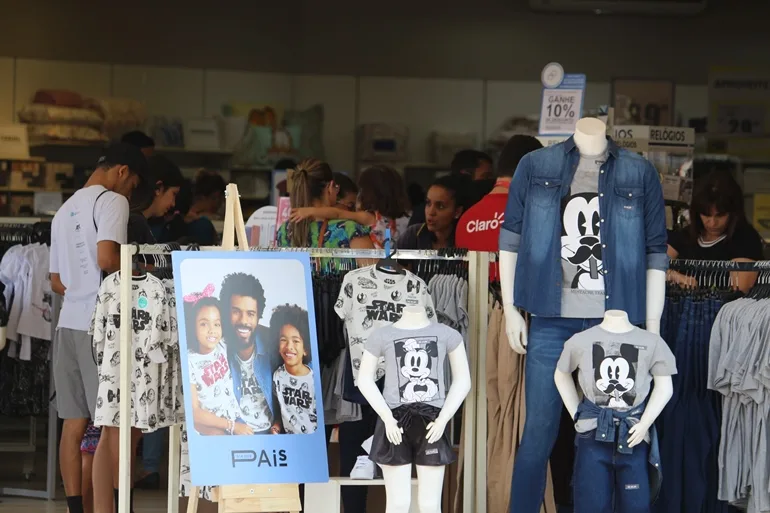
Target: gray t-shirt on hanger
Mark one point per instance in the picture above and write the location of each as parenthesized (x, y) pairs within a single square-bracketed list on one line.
[(581, 245), (414, 362), (615, 369)]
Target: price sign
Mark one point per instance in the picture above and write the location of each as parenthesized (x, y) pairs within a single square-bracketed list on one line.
[(740, 120), (739, 103), (643, 102), (562, 101)]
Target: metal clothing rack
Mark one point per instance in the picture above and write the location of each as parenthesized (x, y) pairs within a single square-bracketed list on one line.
[(719, 265), (474, 407), (29, 447)]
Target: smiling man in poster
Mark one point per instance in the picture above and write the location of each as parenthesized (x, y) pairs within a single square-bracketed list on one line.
[(253, 356), (248, 344)]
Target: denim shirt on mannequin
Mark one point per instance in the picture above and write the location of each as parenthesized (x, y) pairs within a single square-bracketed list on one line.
[(632, 227)]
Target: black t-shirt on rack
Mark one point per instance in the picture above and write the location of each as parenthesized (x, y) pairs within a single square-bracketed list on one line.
[(745, 243)]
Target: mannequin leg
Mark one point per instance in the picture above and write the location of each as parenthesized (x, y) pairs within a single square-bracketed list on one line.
[(594, 480), (543, 411), (398, 488), (632, 486), (430, 482)]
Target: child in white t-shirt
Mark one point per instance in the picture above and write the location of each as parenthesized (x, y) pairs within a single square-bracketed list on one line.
[(293, 382), (215, 408)]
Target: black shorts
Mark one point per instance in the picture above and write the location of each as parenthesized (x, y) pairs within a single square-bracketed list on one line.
[(414, 447)]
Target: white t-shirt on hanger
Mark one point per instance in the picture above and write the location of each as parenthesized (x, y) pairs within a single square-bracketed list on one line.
[(370, 299)]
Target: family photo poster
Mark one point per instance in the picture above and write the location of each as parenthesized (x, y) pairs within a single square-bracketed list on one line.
[(252, 381)]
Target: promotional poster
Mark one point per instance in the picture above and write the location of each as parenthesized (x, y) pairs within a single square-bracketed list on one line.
[(252, 381)]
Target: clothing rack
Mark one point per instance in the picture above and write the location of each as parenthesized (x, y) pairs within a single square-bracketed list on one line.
[(474, 407), (719, 265), (29, 230)]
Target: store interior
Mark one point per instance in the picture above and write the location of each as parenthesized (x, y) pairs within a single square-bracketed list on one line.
[(317, 79)]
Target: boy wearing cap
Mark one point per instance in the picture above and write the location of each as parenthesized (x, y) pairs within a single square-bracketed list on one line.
[(86, 235)]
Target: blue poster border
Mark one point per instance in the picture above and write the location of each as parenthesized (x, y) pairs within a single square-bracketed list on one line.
[(256, 459)]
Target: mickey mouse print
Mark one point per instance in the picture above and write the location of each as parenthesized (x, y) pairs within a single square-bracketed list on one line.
[(416, 360), (581, 243), (615, 366)]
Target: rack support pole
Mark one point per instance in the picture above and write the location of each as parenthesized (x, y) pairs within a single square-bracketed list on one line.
[(124, 476)]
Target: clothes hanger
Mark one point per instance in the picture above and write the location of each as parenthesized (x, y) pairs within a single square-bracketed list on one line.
[(389, 265)]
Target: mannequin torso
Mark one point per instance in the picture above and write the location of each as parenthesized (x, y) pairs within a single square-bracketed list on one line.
[(616, 321), (591, 136), (412, 318), (414, 384)]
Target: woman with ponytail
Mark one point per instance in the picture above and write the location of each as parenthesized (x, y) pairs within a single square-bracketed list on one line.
[(312, 185)]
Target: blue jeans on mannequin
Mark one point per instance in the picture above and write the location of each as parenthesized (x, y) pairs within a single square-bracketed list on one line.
[(547, 336), (606, 481)]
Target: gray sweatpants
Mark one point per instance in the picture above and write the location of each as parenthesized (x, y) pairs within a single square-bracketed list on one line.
[(75, 374)]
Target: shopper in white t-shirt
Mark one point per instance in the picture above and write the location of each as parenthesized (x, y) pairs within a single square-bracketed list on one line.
[(86, 234)]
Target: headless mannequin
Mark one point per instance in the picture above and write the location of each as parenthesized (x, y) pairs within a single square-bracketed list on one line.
[(616, 321), (398, 478), (590, 139)]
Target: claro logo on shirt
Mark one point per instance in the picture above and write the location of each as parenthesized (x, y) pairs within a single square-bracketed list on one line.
[(482, 225), (274, 458)]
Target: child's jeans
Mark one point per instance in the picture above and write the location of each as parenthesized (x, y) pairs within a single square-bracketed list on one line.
[(607, 481)]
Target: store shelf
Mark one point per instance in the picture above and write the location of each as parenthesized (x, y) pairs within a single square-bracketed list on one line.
[(158, 149)]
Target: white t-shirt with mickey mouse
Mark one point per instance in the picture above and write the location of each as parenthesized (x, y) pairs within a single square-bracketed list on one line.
[(296, 396), (370, 299)]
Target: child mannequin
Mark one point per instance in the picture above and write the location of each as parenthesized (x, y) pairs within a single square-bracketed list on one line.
[(616, 438), (413, 418)]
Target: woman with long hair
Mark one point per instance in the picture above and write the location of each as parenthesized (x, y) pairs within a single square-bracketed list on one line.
[(718, 229), (312, 185)]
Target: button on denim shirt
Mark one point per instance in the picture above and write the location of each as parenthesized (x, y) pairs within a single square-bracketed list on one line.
[(632, 227)]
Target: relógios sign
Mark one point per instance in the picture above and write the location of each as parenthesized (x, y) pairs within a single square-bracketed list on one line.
[(562, 100)]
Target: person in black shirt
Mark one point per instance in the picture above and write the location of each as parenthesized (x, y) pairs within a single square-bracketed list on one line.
[(476, 166), (718, 229), (155, 201), (447, 199)]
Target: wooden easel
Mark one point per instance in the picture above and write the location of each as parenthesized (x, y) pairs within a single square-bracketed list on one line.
[(245, 498)]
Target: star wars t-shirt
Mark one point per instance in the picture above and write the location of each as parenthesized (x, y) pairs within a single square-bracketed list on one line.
[(254, 408), (581, 246), (296, 396), (615, 369), (370, 299), (414, 363), (150, 340), (211, 377)]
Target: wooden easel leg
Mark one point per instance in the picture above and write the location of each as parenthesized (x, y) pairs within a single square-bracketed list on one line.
[(192, 502)]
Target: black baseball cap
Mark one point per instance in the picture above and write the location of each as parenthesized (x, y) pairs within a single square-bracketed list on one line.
[(123, 154)]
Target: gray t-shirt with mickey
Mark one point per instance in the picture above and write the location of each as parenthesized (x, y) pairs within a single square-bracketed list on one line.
[(615, 369), (415, 370), (581, 245)]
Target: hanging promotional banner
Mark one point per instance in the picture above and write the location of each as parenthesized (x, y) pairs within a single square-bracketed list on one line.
[(562, 101), (252, 379), (643, 102), (739, 102)]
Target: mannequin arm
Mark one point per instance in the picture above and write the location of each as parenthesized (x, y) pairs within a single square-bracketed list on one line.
[(656, 298), (458, 390), (515, 327), (566, 387), (373, 396), (661, 394)]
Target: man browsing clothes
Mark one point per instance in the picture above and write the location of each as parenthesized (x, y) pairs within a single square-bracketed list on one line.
[(249, 351), (86, 235)]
